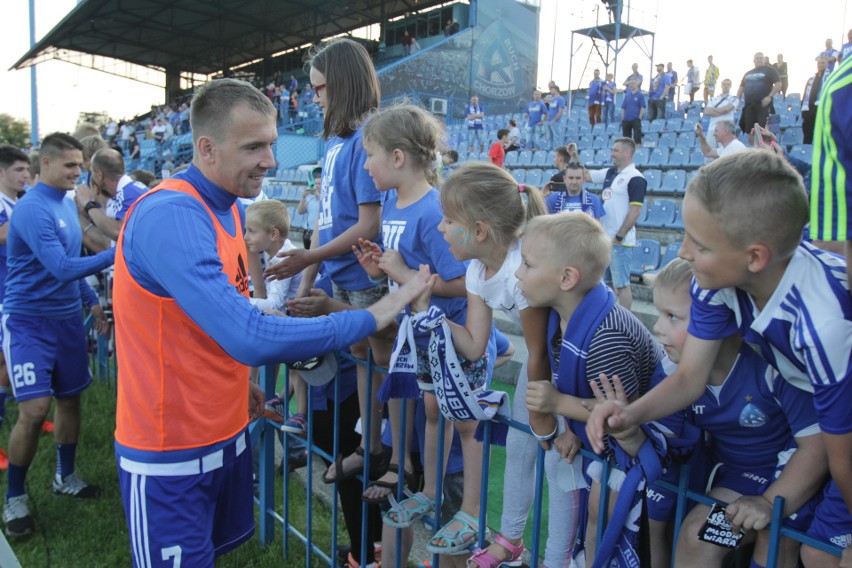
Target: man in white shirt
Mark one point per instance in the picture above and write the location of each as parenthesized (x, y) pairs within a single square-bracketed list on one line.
[(726, 137), (721, 107), (623, 194)]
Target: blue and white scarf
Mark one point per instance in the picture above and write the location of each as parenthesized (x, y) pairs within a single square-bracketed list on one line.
[(581, 329), (456, 399), (620, 546), (587, 206)]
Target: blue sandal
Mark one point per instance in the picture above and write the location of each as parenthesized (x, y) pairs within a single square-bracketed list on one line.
[(406, 516), (456, 541)]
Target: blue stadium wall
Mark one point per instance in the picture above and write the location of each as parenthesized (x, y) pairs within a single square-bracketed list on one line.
[(495, 60)]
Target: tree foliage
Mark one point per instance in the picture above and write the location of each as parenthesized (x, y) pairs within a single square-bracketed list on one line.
[(14, 131)]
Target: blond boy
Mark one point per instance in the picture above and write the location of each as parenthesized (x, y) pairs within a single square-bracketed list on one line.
[(564, 259)]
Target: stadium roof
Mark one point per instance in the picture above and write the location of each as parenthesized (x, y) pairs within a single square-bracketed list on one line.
[(207, 36)]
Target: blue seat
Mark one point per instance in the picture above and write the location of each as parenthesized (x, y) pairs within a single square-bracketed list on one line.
[(792, 136), (540, 159), (659, 157), (585, 141), (686, 139), (641, 155), (643, 213), (511, 159), (519, 175), (674, 181), (660, 214), (669, 254), (679, 157), (656, 126), (690, 176), (587, 156), (688, 125), (653, 177), (550, 172), (678, 220), (650, 139), (551, 156), (534, 177), (524, 158), (667, 139), (603, 157), (804, 152), (646, 256), (674, 124), (696, 158), (599, 129), (601, 142)]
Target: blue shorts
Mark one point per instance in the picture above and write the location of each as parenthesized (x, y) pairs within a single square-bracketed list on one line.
[(755, 481), (661, 501), (618, 273), (189, 519), (45, 357), (832, 520)]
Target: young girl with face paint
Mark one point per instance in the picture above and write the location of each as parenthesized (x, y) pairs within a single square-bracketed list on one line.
[(484, 212), (401, 145)]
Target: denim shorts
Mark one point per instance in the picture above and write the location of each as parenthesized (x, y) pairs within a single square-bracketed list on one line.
[(476, 372), (618, 273), (360, 299)]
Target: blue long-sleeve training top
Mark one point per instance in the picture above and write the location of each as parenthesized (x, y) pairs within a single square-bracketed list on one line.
[(45, 270), (170, 250)]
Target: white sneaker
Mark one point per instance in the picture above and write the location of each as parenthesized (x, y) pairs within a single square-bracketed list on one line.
[(16, 515), (75, 487)]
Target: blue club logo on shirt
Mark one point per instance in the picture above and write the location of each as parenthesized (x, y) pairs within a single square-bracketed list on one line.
[(751, 416)]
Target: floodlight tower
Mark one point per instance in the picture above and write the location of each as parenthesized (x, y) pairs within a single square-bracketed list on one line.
[(615, 34)]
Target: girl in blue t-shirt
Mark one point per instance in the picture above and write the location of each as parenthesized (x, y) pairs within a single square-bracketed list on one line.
[(401, 145), (347, 89)]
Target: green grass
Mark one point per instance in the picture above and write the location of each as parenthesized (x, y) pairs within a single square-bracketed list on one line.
[(79, 533)]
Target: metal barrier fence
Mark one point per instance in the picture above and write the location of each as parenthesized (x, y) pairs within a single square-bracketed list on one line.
[(266, 433)]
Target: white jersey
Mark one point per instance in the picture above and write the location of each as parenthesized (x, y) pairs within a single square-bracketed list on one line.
[(501, 291), (804, 331), (278, 291)]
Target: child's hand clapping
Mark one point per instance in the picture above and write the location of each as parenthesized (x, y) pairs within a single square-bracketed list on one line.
[(392, 264), (421, 303), (613, 390), (368, 254)]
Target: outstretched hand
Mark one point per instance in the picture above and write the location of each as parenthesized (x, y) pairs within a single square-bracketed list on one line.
[(607, 416), (310, 306), (368, 254), (421, 303), (612, 390), (294, 261)]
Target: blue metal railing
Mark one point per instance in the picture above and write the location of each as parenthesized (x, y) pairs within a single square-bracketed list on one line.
[(264, 434), (267, 431)]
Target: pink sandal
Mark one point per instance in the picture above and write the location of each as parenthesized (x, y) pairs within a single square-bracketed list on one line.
[(484, 559)]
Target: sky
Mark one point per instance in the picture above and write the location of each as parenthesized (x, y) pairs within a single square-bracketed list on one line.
[(683, 30)]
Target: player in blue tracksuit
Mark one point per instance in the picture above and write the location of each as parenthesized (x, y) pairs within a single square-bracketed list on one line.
[(43, 338)]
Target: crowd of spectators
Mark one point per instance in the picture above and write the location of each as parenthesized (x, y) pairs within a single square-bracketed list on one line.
[(106, 192)]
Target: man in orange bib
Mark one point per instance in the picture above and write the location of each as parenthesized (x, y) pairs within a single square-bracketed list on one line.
[(186, 332)]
